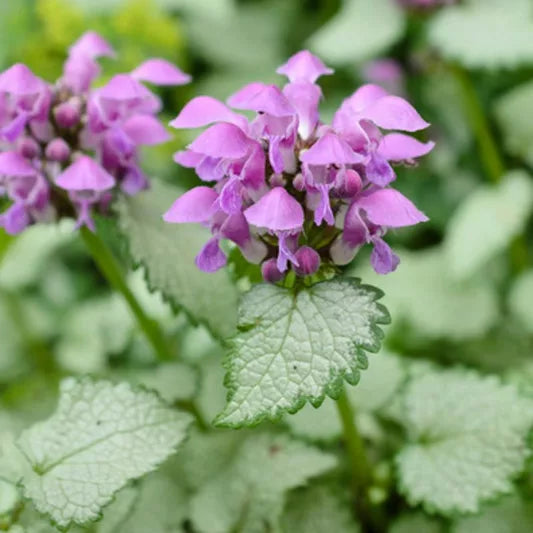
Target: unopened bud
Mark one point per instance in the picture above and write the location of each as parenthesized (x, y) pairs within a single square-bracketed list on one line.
[(28, 148), (68, 114), (351, 183), (270, 271), (57, 150), (308, 261)]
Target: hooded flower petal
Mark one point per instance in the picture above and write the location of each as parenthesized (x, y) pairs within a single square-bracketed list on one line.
[(304, 66), (378, 170), (399, 147), (304, 97), (383, 259), (222, 140), (262, 98), (276, 211), (330, 149), (363, 97), (85, 174), (91, 45), (160, 72), (390, 208), (13, 164), (204, 110), (196, 205), (122, 87), (145, 129), (394, 113), (19, 80)]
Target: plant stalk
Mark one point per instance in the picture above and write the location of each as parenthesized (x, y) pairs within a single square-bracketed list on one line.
[(111, 270)]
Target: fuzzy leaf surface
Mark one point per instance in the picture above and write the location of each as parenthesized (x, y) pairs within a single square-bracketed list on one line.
[(294, 348), (485, 223), (167, 251), (468, 440), (100, 437)]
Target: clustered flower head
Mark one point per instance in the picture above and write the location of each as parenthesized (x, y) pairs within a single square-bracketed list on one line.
[(290, 191), (67, 148)]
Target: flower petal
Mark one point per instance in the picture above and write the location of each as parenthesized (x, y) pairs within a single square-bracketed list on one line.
[(211, 258), (21, 81), (196, 205), (12, 164), (378, 170), (145, 129), (383, 259), (91, 45), (398, 147), (160, 72), (304, 97), (276, 211), (394, 113), (222, 140), (390, 208), (304, 66), (262, 98), (204, 110), (329, 150), (85, 174)]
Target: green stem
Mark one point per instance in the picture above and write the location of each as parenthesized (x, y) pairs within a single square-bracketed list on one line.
[(491, 157), (112, 271), (361, 468)]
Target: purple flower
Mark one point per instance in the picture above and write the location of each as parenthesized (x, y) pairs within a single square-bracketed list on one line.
[(291, 191), (68, 137)]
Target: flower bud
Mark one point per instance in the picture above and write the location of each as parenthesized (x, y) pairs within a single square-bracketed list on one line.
[(299, 182), (28, 148), (351, 184), (270, 271), (67, 114), (57, 150), (308, 261)]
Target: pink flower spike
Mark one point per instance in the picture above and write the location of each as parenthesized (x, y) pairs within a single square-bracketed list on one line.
[(92, 45), (12, 164), (21, 81), (304, 66), (330, 149), (262, 98), (85, 174), (394, 113), (196, 205), (222, 140), (399, 147), (160, 72), (204, 110), (146, 130), (388, 207), (276, 211)]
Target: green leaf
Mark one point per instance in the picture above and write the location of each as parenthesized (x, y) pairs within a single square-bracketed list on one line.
[(100, 437), (423, 294), (520, 298), (28, 254), (378, 384), (318, 509), (511, 112), (298, 347), (159, 505), (467, 440), (509, 515), (502, 33), (358, 31), (486, 222), (247, 493), (167, 252)]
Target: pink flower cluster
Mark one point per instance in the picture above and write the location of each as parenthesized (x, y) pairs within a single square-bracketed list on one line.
[(66, 148), (290, 191)]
